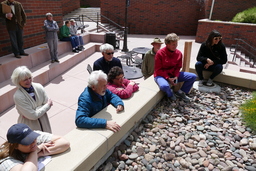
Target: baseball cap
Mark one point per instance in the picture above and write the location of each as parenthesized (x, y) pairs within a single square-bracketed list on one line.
[(72, 20), (21, 134), (157, 40)]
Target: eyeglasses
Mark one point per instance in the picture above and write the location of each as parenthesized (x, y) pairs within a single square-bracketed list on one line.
[(119, 78), (111, 53), (217, 38)]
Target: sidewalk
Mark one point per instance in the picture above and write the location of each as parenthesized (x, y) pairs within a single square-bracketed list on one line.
[(65, 89)]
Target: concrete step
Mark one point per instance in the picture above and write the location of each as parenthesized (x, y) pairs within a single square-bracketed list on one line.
[(42, 70)]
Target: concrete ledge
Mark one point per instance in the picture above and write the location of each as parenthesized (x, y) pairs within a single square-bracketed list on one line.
[(89, 146), (231, 77)]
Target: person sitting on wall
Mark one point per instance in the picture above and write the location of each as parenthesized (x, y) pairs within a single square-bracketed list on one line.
[(148, 63), (94, 98), (65, 35), (119, 85), (106, 62), (24, 146), (211, 57), (73, 32), (168, 62)]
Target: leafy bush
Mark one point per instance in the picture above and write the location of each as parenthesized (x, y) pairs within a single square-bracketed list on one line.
[(247, 16), (248, 110)]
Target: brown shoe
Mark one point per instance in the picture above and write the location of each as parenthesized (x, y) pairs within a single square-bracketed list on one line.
[(17, 56), (24, 54)]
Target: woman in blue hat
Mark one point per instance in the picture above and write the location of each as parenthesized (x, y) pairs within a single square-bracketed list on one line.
[(24, 146)]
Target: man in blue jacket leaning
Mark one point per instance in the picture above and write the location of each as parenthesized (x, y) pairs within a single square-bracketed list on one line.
[(94, 98)]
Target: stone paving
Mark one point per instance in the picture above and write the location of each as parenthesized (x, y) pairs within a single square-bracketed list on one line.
[(205, 134)]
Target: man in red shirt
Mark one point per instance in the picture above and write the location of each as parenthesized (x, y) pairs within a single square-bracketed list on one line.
[(168, 62)]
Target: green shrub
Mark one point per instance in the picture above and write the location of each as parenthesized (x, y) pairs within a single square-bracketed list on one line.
[(247, 16), (248, 110)]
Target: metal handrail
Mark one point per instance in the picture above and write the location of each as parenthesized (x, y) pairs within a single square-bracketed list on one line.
[(238, 45), (112, 21)]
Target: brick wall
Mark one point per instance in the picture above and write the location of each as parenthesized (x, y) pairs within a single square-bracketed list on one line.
[(90, 3), (228, 30), (69, 5), (163, 17), (226, 9), (35, 11), (154, 16)]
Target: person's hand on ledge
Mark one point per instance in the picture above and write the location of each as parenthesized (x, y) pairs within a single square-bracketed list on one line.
[(113, 126), (119, 108)]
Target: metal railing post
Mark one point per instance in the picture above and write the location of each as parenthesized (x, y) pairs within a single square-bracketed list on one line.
[(97, 22)]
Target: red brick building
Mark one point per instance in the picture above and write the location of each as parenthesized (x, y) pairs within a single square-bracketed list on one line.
[(35, 11), (179, 16), (144, 16)]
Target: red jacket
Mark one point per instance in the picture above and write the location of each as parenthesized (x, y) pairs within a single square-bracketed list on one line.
[(168, 64), (125, 91)]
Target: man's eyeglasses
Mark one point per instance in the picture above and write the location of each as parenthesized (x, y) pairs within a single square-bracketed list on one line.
[(111, 53), (217, 38)]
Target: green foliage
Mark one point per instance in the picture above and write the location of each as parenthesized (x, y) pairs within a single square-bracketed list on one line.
[(248, 110), (247, 16)]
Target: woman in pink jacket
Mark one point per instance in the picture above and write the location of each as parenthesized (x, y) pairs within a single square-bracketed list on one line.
[(119, 85)]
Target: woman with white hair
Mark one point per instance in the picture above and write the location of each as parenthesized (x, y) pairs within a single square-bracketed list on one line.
[(106, 62), (31, 100)]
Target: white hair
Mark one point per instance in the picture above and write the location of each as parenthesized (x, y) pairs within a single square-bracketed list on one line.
[(105, 47), (95, 76), (20, 73)]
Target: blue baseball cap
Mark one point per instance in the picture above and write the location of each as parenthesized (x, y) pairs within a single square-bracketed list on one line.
[(21, 134)]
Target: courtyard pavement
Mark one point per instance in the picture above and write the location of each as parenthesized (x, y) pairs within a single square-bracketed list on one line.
[(65, 89)]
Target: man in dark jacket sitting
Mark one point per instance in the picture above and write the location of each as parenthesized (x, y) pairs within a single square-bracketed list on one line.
[(94, 98), (106, 62)]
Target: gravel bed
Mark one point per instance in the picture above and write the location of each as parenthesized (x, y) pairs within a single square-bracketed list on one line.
[(205, 134)]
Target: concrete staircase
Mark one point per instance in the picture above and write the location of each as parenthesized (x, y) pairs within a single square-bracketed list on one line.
[(42, 70), (88, 13), (89, 16)]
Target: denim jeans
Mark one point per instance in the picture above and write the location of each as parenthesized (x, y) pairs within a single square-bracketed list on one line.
[(186, 77), (215, 69)]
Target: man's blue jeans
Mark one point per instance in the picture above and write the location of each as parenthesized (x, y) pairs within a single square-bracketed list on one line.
[(73, 41), (186, 77)]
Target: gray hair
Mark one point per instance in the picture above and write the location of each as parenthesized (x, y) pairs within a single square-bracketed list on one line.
[(20, 73), (95, 76), (105, 47), (48, 14), (172, 37)]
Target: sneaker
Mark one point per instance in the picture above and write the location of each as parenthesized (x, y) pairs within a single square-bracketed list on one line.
[(56, 60), (173, 98), (182, 96), (52, 61), (209, 82), (200, 83)]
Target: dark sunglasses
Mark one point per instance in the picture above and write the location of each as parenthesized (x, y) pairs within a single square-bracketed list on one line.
[(217, 38), (111, 53)]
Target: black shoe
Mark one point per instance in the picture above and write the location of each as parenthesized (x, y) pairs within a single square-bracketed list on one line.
[(52, 61), (24, 54), (17, 56), (76, 51), (56, 60), (182, 96), (79, 49)]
